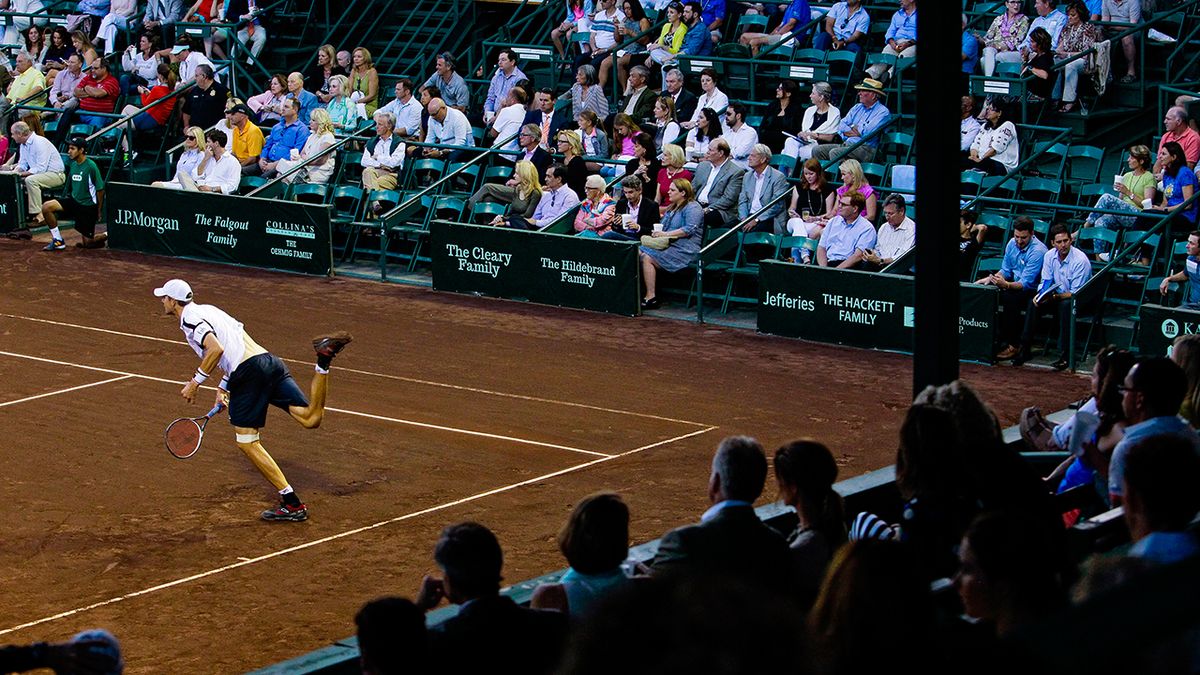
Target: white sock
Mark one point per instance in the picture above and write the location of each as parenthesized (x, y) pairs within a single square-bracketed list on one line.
[(54, 233), (323, 371), (287, 490)]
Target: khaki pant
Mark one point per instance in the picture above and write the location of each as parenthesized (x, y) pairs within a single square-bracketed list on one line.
[(377, 179), (34, 185), (881, 71)]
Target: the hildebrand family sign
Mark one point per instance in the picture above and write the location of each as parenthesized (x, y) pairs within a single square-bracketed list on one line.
[(863, 309), (552, 269), (243, 230)]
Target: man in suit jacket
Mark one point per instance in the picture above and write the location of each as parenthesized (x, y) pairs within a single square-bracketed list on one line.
[(528, 143), (545, 117), (633, 201), (718, 185), (761, 184), (481, 638), (639, 101), (730, 541), (685, 101)]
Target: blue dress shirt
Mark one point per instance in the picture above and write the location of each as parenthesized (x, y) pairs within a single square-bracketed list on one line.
[(1023, 265), (283, 139), (903, 27), (867, 120)]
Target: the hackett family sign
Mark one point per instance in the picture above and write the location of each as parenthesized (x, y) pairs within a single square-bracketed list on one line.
[(552, 269), (863, 309), (244, 230)]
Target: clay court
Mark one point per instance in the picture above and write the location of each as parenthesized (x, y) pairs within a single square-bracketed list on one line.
[(445, 408)]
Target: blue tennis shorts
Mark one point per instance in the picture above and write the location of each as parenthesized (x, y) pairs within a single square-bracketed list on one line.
[(258, 382)]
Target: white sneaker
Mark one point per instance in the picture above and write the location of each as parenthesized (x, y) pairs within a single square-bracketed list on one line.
[(1104, 257)]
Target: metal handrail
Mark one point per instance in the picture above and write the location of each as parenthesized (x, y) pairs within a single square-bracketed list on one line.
[(1029, 160), (128, 118), (309, 160)]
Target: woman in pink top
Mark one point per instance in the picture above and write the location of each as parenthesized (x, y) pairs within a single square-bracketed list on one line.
[(854, 179)]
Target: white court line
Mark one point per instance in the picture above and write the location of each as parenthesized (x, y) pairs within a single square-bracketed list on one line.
[(242, 562), (63, 391), (456, 430), (413, 380)]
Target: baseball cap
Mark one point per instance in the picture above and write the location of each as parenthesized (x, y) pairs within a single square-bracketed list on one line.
[(242, 108), (78, 141), (176, 289), (180, 48)]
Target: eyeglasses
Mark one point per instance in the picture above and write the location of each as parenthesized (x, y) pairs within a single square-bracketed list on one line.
[(1125, 390)]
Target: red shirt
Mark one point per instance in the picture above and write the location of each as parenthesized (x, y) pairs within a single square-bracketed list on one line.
[(1189, 140), (162, 111), (104, 105)]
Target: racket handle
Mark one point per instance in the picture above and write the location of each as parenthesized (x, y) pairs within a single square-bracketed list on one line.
[(216, 409)]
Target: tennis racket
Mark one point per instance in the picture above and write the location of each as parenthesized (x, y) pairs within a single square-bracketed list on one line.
[(183, 436)]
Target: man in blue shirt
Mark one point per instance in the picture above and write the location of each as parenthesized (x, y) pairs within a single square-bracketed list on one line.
[(712, 14), (901, 39), (846, 25), (847, 235), (507, 74), (970, 49), (1065, 269), (1151, 395), (308, 100), (1017, 281), (863, 119), (795, 18), (697, 41), (1190, 273), (287, 135)]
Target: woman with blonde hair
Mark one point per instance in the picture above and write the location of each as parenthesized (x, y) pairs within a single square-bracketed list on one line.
[(320, 137), (522, 193), (677, 244), (189, 158), (364, 80), (665, 121), (673, 160), (854, 180), (571, 147), (342, 111), (1186, 353)]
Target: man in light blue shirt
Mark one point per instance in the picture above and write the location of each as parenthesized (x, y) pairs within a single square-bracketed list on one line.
[(1050, 18), (846, 236), (1190, 274), (447, 126), (901, 39), (863, 119), (1065, 269), (697, 41), (1160, 498), (556, 200), (407, 110), (450, 83), (1151, 395), (1018, 281), (507, 74), (970, 49), (287, 135), (846, 25)]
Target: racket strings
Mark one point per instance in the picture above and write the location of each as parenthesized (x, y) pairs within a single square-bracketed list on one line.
[(183, 436)]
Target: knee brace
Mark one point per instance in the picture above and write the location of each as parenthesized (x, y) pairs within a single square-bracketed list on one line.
[(247, 438)]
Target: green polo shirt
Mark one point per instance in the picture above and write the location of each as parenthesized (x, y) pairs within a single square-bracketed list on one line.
[(84, 180)]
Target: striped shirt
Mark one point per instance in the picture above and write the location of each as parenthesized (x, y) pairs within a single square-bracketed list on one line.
[(602, 28)]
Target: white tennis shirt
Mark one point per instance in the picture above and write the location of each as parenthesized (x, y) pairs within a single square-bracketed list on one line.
[(197, 321)]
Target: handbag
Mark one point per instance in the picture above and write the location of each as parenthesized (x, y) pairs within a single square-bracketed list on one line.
[(656, 243)]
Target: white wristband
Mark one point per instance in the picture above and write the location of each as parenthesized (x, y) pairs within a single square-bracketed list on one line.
[(200, 376)]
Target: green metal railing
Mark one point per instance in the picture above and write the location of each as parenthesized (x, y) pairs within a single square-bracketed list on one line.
[(356, 136)]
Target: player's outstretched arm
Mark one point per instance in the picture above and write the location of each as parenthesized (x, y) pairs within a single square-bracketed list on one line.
[(212, 356)]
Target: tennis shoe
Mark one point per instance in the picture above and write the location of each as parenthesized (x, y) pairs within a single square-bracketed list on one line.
[(330, 345), (56, 245), (283, 512)]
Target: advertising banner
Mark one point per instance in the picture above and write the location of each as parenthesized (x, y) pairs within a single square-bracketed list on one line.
[(1159, 326), (551, 269), (266, 233), (12, 202), (863, 309)]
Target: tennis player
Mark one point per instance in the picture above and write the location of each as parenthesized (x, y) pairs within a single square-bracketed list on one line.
[(254, 378)]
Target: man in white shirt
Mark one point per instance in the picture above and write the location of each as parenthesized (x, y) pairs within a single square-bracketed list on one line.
[(40, 165), (188, 59), (384, 156), (447, 126), (741, 136), (220, 172), (406, 109), (62, 92), (603, 37), (969, 128), (253, 380), (509, 121), (896, 235)]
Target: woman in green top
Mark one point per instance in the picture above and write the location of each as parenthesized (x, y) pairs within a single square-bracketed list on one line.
[(342, 111), (1134, 187), (364, 80)]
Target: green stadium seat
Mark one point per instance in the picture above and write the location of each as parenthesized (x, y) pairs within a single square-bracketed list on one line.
[(765, 245), (483, 212)]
